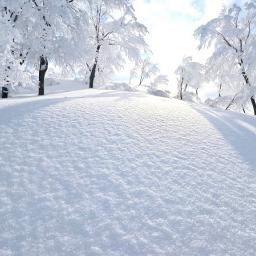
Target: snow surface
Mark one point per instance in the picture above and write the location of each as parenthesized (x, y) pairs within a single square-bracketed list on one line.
[(125, 173)]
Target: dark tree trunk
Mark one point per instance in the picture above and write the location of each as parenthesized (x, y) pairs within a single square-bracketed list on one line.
[(141, 80), (253, 105), (181, 88), (94, 68), (186, 87), (42, 71), (246, 78), (6, 82), (247, 81), (243, 109), (220, 89), (231, 102), (92, 75)]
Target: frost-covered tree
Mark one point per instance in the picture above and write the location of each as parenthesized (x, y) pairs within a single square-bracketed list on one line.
[(115, 36), (233, 37), (190, 74), (227, 82), (44, 30), (8, 62), (99, 36), (144, 71)]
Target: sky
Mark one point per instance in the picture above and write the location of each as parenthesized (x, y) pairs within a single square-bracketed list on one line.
[(171, 24)]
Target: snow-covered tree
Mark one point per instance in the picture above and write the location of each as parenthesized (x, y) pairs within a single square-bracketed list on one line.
[(8, 62), (44, 29), (115, 36), (144, 71), (190, 74), (233, 37), (99, 36), (227, 82)]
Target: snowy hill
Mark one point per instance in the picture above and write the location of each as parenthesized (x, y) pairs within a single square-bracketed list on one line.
[(122, 173)]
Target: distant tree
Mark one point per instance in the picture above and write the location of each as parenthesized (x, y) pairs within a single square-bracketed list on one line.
[(144, 71), (190, 74)]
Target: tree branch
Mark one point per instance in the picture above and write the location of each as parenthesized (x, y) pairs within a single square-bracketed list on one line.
[(226, 41)]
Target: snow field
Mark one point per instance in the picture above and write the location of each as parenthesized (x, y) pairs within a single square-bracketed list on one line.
[(118, 173)]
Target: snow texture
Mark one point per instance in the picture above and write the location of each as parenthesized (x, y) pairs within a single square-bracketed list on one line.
[(125, 173)]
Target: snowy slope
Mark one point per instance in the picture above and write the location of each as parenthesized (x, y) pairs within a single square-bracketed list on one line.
[(121, 173)]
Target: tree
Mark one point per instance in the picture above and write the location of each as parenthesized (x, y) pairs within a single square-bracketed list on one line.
[(9, 68), (228, 84), (144, 71), (190, 74), (45, 30), (115, 35), (233, 37)]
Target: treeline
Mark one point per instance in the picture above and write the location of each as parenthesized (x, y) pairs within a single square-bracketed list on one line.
[(90, 37)]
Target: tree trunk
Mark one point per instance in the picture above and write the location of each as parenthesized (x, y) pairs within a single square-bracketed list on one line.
[(231, 102), (243, 109), (42, 71), (92, 75), (247, 81), (181, 89), (7, 79), (94, 68), (220, 89), (186, 87), (253, 105), (141, 80)]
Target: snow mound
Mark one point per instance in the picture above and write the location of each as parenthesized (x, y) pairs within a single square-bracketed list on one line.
[(125, 173)]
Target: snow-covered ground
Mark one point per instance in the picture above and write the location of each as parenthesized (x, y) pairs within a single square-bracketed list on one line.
[(123, 173)]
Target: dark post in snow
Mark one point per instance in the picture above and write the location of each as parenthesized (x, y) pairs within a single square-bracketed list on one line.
[(42, 71), (4, 92)]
